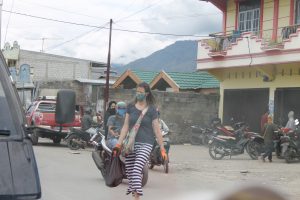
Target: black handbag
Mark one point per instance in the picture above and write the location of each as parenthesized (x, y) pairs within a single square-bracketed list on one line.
[(115, 172)]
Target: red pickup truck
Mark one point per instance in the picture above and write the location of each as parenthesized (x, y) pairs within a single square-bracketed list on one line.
[(41, 116)]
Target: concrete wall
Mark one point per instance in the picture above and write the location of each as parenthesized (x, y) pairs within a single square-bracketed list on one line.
[(47, 67), (178, 110), (50, 88)]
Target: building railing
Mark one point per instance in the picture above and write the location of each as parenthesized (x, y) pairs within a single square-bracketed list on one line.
[(220, 42), (288, 30)]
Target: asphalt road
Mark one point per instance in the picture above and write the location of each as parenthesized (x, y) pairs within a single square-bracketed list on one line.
[(69, 175)]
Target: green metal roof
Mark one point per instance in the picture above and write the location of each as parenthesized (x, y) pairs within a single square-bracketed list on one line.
[(194, 80), (146, 76)]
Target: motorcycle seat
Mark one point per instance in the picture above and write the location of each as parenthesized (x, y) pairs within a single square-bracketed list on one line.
[(226, 137)]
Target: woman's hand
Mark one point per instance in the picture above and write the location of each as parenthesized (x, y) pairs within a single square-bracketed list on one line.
[(164, 154), (116, 150)]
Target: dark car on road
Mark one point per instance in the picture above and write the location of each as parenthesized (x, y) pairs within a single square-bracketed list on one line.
[(19, 177)]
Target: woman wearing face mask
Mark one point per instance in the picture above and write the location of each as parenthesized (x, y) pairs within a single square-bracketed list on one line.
[(115, 123), (111, 110), (145, 137)]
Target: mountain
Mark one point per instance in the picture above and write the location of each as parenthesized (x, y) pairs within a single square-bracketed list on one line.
[(178, 57)]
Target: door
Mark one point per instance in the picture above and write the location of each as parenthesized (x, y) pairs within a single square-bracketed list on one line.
[(286, 100), (245, 105), (19, 178)]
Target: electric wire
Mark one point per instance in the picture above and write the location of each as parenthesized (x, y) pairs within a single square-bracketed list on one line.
[(11, 8)]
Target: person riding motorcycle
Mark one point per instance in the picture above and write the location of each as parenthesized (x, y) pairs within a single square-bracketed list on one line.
[(164, 129), (115, 124), (291, 122), (87, 122)]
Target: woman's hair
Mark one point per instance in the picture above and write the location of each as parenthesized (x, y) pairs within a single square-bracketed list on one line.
[(110, 103), (150, 99)]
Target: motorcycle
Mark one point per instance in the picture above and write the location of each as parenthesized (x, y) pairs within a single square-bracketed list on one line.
[(77, 138), (227, 130), (197, 135), (220, 146), (155, 155), (291, 145), (102, 157)]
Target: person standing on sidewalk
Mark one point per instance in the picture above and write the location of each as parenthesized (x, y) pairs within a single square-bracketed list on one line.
[(269, 133), (149, 129)]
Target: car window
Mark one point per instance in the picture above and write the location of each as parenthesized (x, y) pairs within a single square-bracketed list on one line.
[(46, 107), (6, 120)]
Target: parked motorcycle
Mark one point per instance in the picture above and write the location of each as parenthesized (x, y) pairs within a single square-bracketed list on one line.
[(77, 138), (102, 157), (197, 135), (155, 155), (241, 140), (292, 145), (227, 130)]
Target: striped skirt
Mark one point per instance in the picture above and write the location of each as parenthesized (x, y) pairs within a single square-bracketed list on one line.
[(134, 164)]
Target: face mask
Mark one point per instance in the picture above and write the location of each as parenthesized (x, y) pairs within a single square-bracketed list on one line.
[(112, 111), (121, 112), (140, 96)]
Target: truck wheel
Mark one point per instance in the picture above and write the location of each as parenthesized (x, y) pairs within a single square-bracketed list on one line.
[(56, 140), (35, 137)]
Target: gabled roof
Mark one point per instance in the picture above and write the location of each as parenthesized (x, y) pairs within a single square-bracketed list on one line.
[(146, 76), (176, 80), (187, 80), (137, 76)]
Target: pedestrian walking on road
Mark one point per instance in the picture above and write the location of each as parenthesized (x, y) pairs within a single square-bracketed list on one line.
[(145, 137), (269, 133)]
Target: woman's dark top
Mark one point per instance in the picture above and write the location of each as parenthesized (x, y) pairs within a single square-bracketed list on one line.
[(145, 133)]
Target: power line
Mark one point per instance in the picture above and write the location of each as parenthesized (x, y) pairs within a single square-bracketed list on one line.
[(60, 10), (75, 38), (102, 27), (11, 8), (139, 11), (50, 19)]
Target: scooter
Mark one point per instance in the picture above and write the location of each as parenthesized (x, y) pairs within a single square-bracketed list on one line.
[(102, 157), (155, 155)]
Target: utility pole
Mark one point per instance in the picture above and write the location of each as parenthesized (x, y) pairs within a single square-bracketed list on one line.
[(106, 93), (1, 3)]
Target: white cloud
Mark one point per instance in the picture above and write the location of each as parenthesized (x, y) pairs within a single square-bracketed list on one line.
[(165, 16)]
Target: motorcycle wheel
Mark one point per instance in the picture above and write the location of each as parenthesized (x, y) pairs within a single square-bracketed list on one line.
[(73, 145), (289, 156), (145, 175), (213, 153), (252, 149), (166, 165), (195, 140), (205, 140), (150, 164)]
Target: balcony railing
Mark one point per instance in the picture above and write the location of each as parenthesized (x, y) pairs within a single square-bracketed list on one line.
[(288, 30)]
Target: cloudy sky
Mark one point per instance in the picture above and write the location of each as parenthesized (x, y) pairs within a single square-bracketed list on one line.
[(86, 41)]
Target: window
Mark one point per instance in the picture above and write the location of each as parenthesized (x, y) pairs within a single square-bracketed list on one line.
[(6, 120), (297, 10), (249, 16), (47, 107)]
